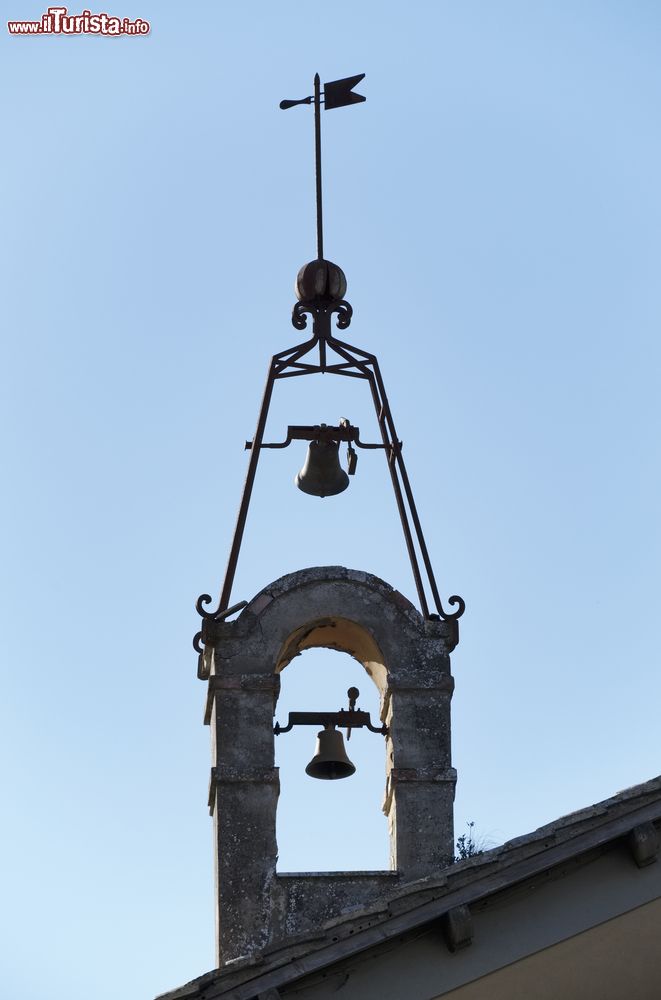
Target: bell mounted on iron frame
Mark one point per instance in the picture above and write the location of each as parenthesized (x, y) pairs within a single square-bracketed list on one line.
[(322, 474), (331, 760)]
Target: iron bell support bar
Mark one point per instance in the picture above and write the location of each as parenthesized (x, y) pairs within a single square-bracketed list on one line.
[(321, 432), (351, 718), (342, 720), (320, 288)]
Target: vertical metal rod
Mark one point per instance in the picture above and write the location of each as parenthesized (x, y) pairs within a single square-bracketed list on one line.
[(408, 491), (399, 499), (382, 409), (384, 415), (247, 491), (317, 160), (321, 327)]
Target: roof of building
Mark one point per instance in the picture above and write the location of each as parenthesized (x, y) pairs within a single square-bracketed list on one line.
[(629, 814)]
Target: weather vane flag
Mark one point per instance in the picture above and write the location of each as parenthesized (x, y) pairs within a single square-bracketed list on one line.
[(337, 94)]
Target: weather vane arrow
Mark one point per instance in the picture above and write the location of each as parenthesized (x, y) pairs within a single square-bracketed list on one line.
[(337, 94)]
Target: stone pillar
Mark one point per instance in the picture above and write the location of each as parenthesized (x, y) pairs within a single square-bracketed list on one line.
[(420, 780), (243, 798)]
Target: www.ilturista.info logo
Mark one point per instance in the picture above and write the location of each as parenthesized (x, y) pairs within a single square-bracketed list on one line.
[(56, 21)]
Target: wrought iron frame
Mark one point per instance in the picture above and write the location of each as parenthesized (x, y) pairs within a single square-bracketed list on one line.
[(353, 363)]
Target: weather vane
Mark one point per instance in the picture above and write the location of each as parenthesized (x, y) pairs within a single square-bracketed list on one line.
[(337, 94), (320, 290)]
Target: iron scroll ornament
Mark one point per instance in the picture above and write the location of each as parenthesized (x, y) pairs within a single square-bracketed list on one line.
[(218, 615), (451, 616), (203, 613), (343, 308)]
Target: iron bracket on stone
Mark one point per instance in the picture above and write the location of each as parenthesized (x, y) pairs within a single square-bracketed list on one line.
[(217, 616)]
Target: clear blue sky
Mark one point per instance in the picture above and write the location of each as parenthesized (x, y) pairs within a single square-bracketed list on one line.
[(496, 207)]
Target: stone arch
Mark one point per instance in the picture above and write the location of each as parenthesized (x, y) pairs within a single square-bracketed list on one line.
[(408, 659), (342, 635), (343, 609)]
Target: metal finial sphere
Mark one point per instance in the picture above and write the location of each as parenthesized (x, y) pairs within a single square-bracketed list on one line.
[(321, 279)]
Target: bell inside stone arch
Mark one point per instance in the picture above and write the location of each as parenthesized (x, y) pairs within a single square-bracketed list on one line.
[(330, 760), (322, 475)]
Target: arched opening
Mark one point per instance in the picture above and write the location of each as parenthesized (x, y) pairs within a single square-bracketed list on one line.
[(328, 825), (342, 634)]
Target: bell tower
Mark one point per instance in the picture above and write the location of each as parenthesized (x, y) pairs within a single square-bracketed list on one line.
[(405, 650)]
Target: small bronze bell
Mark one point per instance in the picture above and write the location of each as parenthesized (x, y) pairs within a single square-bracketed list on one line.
[(322, 475), (330, 760)]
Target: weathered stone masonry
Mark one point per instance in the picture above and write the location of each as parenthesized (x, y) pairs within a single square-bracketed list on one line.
[(407, 657)]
